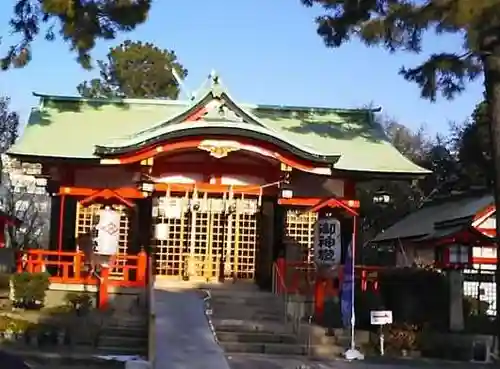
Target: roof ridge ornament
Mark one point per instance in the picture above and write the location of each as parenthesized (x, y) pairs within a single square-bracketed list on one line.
[(214, 78), (216, 87)]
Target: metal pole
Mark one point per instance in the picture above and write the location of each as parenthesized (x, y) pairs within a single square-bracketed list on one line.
[(353, 250), (382, 348)]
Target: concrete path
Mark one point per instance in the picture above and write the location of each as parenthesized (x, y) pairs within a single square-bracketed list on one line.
[(183, 339)]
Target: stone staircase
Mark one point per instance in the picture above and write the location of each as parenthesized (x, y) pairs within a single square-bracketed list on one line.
[(250, 321), (124, 336)]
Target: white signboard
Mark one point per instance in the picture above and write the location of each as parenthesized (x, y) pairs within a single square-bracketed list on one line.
[(162, 231), (108, 228), (171, 207), (380, 317), (327, 241)]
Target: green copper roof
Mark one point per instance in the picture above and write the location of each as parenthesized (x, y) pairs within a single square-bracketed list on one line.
[(425, 222), (72, 127)]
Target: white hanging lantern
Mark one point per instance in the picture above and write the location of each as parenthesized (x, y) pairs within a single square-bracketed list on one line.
[(327, 241), (108, 229)]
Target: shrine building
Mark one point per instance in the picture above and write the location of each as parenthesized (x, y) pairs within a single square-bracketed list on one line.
[(209, 188)]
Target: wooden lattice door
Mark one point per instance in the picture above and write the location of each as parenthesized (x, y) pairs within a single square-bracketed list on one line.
[(86, 219), (246, 239), (203, 241)]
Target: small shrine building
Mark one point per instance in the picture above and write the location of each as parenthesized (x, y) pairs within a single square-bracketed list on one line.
[(456, 233), (210, 188)]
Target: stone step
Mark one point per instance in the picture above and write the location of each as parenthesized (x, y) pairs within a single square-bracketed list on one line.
[(263, 304), (123, 341), (326, 351), (121, 332), (128, 322), (343, 336), (255, 337), (247, 301), (319, 352), (119, 350), (248, 316), (263, 348), (238, 325), (246, 307)]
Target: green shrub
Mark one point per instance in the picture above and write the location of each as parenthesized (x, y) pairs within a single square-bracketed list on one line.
[(79, 301), (416, 296), (400, 337), (30, 289), (13, 324)]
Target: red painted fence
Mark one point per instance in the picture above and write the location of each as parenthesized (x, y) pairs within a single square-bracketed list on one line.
[(303, 278), (67, 267)]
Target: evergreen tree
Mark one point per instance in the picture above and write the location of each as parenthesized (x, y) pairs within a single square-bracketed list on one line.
[(135, 70), (473, 147), (79, 22), (9, 124), (401, 25)]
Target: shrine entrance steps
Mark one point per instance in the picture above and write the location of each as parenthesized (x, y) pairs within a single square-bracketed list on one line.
[(124, 335), (247, 320), (250, 321)]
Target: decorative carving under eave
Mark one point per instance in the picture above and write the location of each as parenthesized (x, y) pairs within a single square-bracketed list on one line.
[(217, 110), (219, 149)]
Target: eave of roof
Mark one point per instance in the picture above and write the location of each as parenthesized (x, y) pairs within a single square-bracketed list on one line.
[(429, 219), (223, 129)]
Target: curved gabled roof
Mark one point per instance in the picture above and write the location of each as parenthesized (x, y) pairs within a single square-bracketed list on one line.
[(223, 129), (71, 127)]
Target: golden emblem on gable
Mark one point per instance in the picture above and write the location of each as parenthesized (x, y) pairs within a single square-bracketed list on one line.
[(217, 149)]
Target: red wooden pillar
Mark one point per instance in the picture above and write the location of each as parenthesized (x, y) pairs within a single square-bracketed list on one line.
[(103, 288), (77, 265), (60, 233), (281, 266), (364, 280), (3, 223), (319, 298), (19, 261), (142, 266)]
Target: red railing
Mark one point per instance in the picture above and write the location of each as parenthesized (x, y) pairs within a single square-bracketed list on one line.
[(67, 267), (301, 277)]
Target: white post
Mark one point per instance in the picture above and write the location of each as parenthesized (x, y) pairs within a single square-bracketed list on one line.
[(353, 353), (382, 349)]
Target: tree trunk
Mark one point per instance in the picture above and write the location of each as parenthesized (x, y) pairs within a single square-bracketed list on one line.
[(492, 84)]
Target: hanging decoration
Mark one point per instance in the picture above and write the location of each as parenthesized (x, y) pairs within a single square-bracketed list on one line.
[(108, 235)]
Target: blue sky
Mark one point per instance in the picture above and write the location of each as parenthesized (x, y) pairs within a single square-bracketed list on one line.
[(265, 51)]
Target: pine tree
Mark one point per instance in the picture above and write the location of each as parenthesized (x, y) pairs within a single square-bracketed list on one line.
[(400, 25), (9, 124), (78, 22), (135, 70)]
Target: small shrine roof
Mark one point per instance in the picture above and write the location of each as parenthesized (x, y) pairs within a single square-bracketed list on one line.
[(438, 218), (79, 128)]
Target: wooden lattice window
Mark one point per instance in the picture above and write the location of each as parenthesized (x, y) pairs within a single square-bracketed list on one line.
[(246, 238), (299, 235), (86, 219)]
